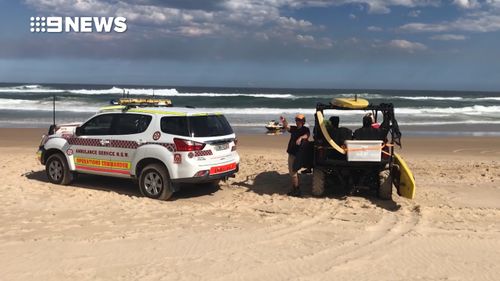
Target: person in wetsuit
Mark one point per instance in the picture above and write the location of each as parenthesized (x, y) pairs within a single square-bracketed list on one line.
[(339, 135), (368, 132)]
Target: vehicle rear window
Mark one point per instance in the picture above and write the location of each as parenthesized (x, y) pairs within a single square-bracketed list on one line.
[(197, 126), (209, 126)]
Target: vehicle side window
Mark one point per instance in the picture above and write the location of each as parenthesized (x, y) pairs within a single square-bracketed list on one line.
[(127, 124), (176, 125), (99, 125)]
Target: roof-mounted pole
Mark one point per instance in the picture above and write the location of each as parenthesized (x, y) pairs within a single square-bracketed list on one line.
[(54, 110)]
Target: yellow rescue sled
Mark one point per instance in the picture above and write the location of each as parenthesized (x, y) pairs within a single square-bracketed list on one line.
[(352, 103), (406, 185)]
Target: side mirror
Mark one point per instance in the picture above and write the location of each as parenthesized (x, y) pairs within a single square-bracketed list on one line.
[(78, 131)]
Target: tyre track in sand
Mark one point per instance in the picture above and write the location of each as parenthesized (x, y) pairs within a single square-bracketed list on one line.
[(388, 230)]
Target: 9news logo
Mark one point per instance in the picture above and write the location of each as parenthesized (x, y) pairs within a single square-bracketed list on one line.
[(78, 24)]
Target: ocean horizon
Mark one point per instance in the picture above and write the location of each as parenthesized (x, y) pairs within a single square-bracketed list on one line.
[(419, 112)]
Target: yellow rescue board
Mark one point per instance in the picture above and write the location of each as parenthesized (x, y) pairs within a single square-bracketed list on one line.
[(351, 103), (322, 125), (406, 186)]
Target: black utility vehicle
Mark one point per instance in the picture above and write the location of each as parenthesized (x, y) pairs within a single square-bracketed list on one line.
[(356, 164)]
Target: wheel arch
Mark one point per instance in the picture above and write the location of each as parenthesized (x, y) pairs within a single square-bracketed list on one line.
[(50, 152), (149, 154), (58, 145), (147, 161)]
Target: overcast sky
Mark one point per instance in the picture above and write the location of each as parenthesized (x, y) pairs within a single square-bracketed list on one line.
[(393, 44)]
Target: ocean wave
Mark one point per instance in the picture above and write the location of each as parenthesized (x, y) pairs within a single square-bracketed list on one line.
[(359, 95), (30, 89), (173, 93), (46, 105), (426, 98), (120, 91), (166, 92), (81, 106), (476, 109), (31, 86), (489, 98), (403, 123)]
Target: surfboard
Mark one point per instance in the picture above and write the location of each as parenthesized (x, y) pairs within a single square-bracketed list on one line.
[(351, 102), (329, 139), (406, 186)]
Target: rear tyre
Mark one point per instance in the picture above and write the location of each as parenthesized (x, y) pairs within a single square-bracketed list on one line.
[(385, 185), (57, 169), (154, 182), (396, 174), (318, 182)]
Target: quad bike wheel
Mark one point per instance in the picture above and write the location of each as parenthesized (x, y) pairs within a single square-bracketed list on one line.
[(318, 182), (385, 185)]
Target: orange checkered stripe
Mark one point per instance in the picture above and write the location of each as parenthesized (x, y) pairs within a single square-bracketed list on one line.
[(84, 142), (117, 143), (202, 153)]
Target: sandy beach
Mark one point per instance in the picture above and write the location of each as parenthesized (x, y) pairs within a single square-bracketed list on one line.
[(247, 228)]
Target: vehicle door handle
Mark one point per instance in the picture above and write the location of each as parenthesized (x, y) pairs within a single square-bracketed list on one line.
[(141, 142), (104, 142)]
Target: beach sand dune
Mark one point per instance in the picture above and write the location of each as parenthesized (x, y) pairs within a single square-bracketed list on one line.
[(247, 228)]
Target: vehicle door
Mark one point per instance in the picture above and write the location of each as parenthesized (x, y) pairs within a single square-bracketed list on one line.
[(127, 134), (90, 145)]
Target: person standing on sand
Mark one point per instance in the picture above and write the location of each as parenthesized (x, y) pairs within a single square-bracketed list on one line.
[(298, 134)]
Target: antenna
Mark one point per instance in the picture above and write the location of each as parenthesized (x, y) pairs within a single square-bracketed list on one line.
[(54, 110), (52, 128)]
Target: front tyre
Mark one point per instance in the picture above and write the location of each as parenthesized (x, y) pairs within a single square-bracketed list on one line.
[(154, 182), (318, 182), (385, 185), (57, 169)]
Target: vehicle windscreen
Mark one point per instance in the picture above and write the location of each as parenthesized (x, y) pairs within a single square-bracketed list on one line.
[(196, 126)]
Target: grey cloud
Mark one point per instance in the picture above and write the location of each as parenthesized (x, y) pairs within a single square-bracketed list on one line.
[(449, 37), (414, 13), (222, 19), (408, 46), (374, 28), (467, 4), (374, 6), (213, 30), (484, 21), (206, 5)]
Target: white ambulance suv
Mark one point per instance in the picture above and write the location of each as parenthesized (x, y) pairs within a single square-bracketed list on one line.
[(157, 145)]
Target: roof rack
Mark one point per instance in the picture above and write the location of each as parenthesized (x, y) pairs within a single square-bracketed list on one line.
[(130, 103), (125, 104)]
